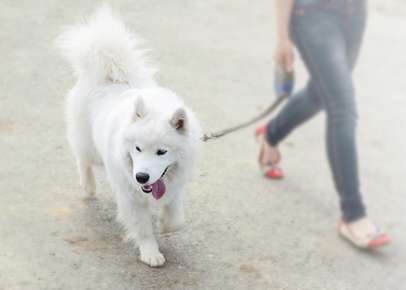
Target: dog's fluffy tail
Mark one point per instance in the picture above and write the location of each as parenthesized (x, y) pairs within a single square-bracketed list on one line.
[(102, 50)]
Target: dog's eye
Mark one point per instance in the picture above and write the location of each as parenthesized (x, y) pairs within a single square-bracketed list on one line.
[(138, 149), (161, 152)]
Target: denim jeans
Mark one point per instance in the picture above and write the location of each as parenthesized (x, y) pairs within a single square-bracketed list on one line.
[(328, 35)]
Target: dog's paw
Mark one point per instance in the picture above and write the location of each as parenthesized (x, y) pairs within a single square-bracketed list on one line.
[(152, 258)]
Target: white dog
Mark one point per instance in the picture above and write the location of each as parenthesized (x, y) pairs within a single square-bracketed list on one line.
[(120, 118)]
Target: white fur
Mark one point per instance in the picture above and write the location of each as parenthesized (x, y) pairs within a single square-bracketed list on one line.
[(115, 107)]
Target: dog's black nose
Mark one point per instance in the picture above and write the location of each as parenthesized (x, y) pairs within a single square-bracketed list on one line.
[(142, 177)]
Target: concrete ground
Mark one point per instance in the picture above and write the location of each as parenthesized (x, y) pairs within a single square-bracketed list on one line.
[(244, 232)]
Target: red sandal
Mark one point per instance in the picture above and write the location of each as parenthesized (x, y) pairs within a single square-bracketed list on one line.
[(270, 170)]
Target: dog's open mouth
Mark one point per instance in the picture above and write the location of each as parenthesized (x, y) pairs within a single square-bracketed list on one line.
[(158, 188)]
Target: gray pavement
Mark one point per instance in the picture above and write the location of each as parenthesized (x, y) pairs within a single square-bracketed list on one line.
[(243, 232)]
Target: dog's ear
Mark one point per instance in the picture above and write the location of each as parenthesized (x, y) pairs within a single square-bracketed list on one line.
[(179, 120), (139, 109)]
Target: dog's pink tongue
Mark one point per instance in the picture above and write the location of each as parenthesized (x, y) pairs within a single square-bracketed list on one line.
[(158, 189)]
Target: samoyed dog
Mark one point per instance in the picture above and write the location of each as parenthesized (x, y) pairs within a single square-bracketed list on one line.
[(119, 117)]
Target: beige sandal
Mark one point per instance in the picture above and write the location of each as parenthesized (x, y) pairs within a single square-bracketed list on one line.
[(367, 241)]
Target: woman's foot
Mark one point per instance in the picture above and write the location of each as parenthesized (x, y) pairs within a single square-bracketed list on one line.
[(363, 234), (269, 156)]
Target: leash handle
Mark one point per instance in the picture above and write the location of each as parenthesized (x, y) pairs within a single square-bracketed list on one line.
[(284, 81)]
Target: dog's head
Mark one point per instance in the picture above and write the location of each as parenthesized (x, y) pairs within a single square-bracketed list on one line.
[(155, 143)]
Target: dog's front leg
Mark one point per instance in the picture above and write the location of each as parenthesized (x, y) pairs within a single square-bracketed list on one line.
[(172, 216), (136, 217)]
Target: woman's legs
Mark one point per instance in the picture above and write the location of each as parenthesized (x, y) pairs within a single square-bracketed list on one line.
[(323, 44)]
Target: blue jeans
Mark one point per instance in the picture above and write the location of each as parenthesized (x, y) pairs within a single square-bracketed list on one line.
[(328, 36)]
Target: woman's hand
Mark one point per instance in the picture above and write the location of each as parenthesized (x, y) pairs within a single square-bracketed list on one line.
[(284, 54)]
